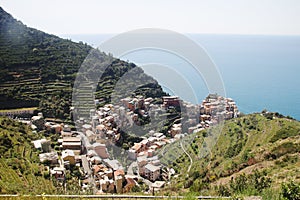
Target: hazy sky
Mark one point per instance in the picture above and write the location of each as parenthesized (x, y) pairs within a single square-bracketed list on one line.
[(185, 16)]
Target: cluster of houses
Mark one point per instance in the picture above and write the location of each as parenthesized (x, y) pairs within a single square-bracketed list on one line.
[(87, 146), (107, 175), (216, 108), (213, 109)]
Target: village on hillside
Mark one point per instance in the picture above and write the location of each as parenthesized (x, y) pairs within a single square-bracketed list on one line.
[(86, 150)]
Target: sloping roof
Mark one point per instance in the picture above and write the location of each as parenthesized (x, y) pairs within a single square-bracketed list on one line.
[(136, 146), (97, 144), (67, 153), (114, 164), (152, 168), (141, 158), (119, 172)]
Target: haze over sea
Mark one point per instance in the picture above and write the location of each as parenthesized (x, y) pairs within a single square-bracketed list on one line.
[(259, 72)]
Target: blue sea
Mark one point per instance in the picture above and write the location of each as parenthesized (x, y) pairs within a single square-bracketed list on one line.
[(258, 72)]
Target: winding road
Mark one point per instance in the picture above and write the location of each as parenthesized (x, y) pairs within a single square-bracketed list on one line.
[(191, 160)]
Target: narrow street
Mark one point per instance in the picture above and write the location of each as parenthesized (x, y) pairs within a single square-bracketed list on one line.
[(86, 165), (130, 168)]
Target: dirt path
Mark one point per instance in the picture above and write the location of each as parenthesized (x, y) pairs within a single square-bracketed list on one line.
[(191, 160)]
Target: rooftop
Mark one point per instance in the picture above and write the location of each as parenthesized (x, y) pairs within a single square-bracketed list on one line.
[(67, 153), (71, 139), (71, 143), (48, 156), (98, 145), (114, 164), (158, 184), (152, 168)]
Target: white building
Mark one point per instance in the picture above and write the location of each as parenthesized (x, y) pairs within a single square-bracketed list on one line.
[(132, 154), (152, 172)]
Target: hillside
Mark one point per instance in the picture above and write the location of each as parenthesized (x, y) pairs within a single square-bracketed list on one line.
[(38, 69), (254, 149), (20, 171), (253, 155)]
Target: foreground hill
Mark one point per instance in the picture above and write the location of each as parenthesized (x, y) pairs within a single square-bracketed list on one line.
[(253, 155), (20, 171), (38, 69)]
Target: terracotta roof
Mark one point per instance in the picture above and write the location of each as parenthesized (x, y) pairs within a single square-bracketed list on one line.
[(119, 172)]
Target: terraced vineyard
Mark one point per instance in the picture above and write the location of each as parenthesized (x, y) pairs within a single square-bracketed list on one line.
[(20, 171), (36, 67), (39, 69), (253, 155)]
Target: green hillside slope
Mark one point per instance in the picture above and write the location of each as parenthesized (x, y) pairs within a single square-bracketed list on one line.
[(39, 69), (33, 63), (251, 150), (20, 171)]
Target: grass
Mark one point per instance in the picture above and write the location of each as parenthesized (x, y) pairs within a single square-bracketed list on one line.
[(190, 196), (20, 171), (254, 132)]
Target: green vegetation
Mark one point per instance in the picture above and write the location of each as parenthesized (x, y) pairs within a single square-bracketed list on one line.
[(252, 184), (36, 67), (20, 168), (285, 132), (39, 69), (253, 155), (291, 191), (20, 171), (260, 168)]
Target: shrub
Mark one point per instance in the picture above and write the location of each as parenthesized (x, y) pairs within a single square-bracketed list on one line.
[(223, 191), (135, 189), (285, 132), (239, 184), (285, 148), (252, 184), (260, 180), (234, 150), (291, 191), (46, 175), (198, 186), (246, 156)]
